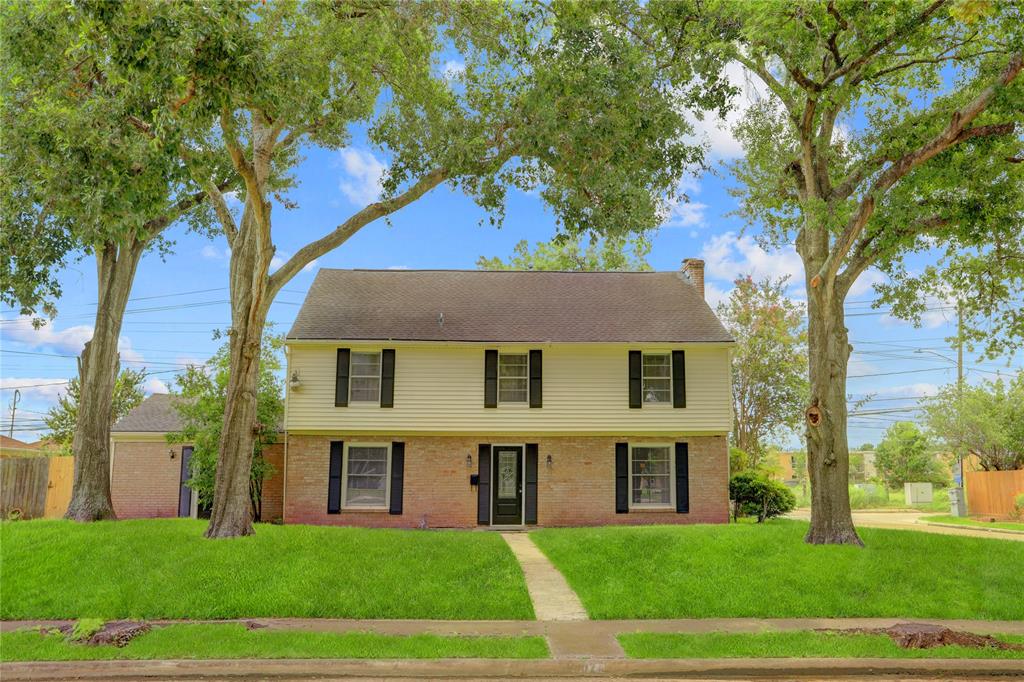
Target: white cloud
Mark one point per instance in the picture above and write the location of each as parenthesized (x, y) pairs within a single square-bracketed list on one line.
[(717, 131), (687, 214), (278, 260), (397, 267), (212, 252), (714, 294), (154, 385), (917, 390), (728, 257), (453, 69), (69, 340), (46, 389), (866, 282), (365, 174), (311, 265)]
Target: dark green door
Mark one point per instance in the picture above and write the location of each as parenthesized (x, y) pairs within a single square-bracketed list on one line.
[(507, 485)]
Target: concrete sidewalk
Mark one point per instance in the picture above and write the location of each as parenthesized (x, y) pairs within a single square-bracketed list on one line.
[(719, 669)]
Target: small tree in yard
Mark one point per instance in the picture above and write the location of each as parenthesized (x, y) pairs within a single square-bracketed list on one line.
[(906, 454), (200, 400), (884, 128), (986, 420), (62, 418), (553, 98), (769, 363), (754, 494)]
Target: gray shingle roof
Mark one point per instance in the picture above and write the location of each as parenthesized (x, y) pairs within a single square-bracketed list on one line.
[(154, 414), (506, 306)]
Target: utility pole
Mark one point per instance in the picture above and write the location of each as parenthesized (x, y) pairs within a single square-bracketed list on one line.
[(14, 409)]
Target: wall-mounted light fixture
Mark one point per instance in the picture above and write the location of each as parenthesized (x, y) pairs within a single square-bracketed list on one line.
[(295, 382), (172, 453), (469, 461), (548, 461)]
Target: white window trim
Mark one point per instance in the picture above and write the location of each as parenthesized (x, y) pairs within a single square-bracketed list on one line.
[(522, 502), (344, 479), (671, 477), (525, 402), (380, 377), (643, 376)]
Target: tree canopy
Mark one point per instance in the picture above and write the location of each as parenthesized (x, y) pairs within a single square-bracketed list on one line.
[(62, 417), (907, 454), (585, 253)]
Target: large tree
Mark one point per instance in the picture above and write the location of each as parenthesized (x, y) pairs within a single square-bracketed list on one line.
[(97, 102), (588, 253), (906, 454), (884, 128), (769, 363), (556, 101), (62, 418)]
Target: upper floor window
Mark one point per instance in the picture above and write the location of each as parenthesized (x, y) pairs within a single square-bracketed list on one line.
[(657, 377), (365, 377), (513, 377)]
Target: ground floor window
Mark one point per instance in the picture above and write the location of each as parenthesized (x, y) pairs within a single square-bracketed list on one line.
[(650, 475), (366, 473)]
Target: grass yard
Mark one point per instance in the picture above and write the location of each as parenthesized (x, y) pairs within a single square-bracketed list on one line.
[(233, 640), (975, 523), (164, 568), (766, 571), (793, 645)]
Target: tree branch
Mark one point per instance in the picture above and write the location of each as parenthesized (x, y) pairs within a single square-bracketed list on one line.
[(954, 133), (343, 232)]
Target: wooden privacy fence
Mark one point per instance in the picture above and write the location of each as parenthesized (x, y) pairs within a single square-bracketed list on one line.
[(35, 487), (991, 493)]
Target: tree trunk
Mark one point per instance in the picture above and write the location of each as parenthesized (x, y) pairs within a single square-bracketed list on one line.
[(90, 494), (231, 514), (828, 457)]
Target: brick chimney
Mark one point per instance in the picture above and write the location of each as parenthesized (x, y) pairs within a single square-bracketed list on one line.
[(693, 271)]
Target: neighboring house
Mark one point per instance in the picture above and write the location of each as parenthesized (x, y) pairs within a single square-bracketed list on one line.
[(498, 399), (147, 474)]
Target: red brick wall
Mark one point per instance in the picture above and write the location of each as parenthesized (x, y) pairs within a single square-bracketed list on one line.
[(273, 487), (145, 481), (578, 488)]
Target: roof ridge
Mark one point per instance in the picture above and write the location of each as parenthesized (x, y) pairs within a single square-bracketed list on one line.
[(563, 272)]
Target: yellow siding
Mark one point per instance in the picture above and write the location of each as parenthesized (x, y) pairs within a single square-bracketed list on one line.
[(440, 389)]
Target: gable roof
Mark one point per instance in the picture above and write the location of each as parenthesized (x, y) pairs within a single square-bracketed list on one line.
[(154, 414), (506, 306)]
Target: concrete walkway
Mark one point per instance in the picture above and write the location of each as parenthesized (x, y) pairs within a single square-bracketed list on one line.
[(911, 520), (553, 599)]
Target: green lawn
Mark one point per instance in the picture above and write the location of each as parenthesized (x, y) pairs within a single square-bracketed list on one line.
[(792, 645), (765, 570), (233, 640), (977, 523), (165, 569)]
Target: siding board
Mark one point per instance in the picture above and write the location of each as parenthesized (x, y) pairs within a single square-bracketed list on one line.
[(438, 389)]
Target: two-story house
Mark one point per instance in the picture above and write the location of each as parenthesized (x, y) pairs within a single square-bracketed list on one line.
[(473, 398)]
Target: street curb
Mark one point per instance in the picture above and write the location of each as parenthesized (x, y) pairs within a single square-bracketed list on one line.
[(1008, 531), (739, 668)]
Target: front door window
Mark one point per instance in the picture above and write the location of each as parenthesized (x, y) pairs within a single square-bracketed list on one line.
[(508, 485)]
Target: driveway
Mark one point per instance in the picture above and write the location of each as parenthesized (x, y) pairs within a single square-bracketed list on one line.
[(910, 520)]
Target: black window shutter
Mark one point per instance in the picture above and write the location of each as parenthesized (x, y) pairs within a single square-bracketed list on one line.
[(483, 488), (635, 379), (536, 379), (621, 478), (682, 478), (334, 478), (387, 377), (531, 483), (490, 378), (678, 378), (341, 382), (397, 477)]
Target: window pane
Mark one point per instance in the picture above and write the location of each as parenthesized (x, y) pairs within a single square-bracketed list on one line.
[(512, 390), (657, 366), (365, 364), (651, 475), (366, 484), (512, 365), (365, 389), (657, 390)]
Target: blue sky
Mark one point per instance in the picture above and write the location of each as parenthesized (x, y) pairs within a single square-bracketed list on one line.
[(178, 302)]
